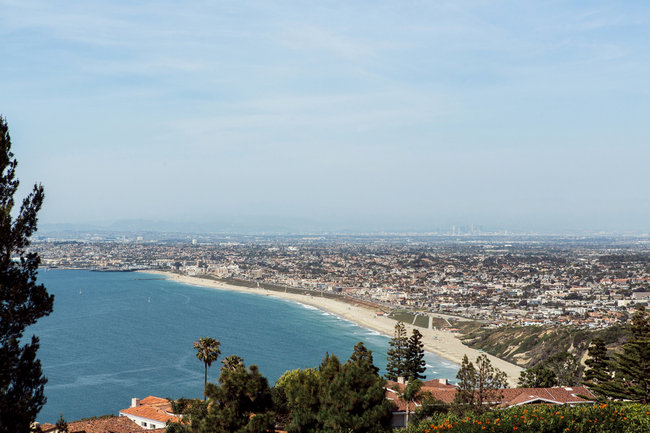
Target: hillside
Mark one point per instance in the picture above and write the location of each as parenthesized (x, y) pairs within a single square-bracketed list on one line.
[(527, 346)]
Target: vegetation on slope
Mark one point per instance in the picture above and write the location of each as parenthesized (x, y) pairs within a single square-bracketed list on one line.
[(529, 346)]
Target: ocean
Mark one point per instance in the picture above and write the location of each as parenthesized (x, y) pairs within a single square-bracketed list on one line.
[(118, 335)]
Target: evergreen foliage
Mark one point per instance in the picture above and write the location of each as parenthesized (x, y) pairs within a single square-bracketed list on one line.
[(626, 374), (567, 368), (193, 411), (241, 402), (537, 377), (337, 397), (466, 384), (632, 365), (301, 390), (598, 364), (405, 355), (353, 398), (61, 425), (22, 300), (415, 363), (479, 387), (396, 354)]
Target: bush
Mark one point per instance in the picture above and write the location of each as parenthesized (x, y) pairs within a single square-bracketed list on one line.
[(603, 418)]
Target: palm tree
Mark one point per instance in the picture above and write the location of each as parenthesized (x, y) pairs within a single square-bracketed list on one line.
[(409, 395), (207, 350), (232, 362)]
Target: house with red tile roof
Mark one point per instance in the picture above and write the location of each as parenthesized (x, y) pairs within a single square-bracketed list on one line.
[(439, 389), (445, 392), (150, 413), (109, 424)]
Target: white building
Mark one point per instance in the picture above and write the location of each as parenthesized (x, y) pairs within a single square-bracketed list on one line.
[(151, 412)]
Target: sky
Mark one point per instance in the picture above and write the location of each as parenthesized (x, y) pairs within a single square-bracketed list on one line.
[(333, 115)]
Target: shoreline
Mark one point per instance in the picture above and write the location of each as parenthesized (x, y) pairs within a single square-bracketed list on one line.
[(442, 343)]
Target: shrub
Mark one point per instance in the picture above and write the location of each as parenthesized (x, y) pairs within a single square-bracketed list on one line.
[(603, 418)]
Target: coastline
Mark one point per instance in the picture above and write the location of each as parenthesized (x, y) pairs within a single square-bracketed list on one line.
[(442, 343)]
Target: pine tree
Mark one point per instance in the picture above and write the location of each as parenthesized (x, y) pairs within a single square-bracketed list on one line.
[(479, 387), (415, 363), (353, 400), (61, 425), (567, 368), (632, 365), (537, 377), (630, 369), (22, 300), (464, 397), (599, 371), (301, 391), (396, 355), (241, 402)]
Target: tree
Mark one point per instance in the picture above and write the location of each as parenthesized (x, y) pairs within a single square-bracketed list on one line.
[(415, 363), (232, 362), (409, 394), (396, 355), (241, 402), (22, 300), (479, 387), (301, 391), (632, 365), (598, 372), (61, 425), (464, 397), (192, 411), (567, 368), (489, 382), (537, 377), (429, 406), (207, 350), (352, 396)]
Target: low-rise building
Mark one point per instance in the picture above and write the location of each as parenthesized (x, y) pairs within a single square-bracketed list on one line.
[(150, 413)]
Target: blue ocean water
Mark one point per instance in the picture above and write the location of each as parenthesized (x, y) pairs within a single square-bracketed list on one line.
[(116, 335)]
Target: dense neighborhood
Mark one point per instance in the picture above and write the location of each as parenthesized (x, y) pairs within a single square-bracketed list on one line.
[(523, 280)]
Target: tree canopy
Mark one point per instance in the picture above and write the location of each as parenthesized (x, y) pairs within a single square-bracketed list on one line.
[(479, 387), (406, 355), (626, 374), (396, 354), (208, 351), (240, 402), (415, 363), (22, 300), (537, 377)]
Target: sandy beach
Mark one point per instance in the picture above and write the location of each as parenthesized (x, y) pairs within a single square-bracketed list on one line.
[(442, 343)]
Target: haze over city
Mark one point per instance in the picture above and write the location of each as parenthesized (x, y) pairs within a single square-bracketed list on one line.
[(333, 116)]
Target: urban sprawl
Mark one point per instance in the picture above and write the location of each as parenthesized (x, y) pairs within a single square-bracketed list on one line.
[(526, 280)]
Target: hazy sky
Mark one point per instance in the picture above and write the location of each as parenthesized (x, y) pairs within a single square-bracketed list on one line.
[(351, 114)]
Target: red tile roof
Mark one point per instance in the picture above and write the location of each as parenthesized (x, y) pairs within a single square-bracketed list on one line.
[(157, 402), (557, 395), (152, 408), (105, 425), (47, 427), (150, 412), (509, 396)]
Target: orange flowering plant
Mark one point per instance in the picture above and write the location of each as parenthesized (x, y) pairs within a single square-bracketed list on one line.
[(599, 418)]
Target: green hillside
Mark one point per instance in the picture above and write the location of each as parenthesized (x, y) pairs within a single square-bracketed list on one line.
[(528, 346)]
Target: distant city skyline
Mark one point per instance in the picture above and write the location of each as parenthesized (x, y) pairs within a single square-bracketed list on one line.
[(338, 116)]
